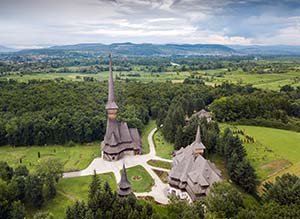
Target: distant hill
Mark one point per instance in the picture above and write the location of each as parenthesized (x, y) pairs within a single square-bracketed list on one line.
[(6, 49), (130, 49), (267, 50), (148, 50)]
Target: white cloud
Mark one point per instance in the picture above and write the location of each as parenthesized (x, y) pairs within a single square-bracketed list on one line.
[(34, 22)]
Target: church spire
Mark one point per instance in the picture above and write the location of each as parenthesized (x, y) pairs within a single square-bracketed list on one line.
[(111, 104), (198, 135), (198, 146)]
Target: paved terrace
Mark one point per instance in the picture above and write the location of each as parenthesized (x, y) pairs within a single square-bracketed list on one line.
[(159, 191)]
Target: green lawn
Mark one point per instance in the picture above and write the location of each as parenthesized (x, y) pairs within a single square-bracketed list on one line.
[(145, 132), (139, 179), (160, 163), (74, 158), (77, 188), (273, 150), (164, 149), (71, 189)]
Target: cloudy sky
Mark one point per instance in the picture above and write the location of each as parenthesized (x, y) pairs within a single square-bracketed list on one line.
[(33, 23)]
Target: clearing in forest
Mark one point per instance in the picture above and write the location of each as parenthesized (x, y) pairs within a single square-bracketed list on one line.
[(271, 151)]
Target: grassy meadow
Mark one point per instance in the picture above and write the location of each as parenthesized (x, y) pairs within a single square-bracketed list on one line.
[(74, 158), (74, 189), (273, 152), (145, 132), (176, 77), (164, 149), (263, 81)]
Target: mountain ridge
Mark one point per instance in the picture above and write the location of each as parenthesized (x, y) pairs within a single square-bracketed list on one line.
[(149, 49), (4, 49), (144, 49)]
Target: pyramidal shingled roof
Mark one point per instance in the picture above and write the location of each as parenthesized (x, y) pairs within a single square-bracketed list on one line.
[(124, 183), (191, 173), (111, 104)]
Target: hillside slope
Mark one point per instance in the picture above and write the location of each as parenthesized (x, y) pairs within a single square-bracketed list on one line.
[(130, 49)]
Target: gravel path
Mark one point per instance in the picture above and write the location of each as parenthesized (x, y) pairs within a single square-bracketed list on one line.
[(159, 191)]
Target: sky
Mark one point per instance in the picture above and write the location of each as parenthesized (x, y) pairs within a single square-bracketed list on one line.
[(40, 23)]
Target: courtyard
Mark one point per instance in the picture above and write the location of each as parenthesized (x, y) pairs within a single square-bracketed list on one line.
[(145, 182)]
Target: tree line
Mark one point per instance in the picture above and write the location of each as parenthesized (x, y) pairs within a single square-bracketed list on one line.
[(280, 200), (21, 190), (227, 145), (265, 108), (56, 112), (103, 203)]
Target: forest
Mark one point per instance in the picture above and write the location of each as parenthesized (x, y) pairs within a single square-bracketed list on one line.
[(52, 112), (20, 190), (30, 64), (46, 112)]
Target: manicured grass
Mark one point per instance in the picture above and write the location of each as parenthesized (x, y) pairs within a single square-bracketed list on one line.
[(145, 132), (164, 149), (77, 188), (160, 163), (273, 150), (145, 181), (74, 158), (72, 189)]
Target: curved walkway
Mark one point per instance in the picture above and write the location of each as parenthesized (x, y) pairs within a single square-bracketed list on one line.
[(159, 191)]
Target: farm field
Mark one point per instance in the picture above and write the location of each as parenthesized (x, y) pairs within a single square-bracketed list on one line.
[(273, 151), (139, 179), (74, 158), (164, 149), (264, 81), (101, 76), (210, 77)]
